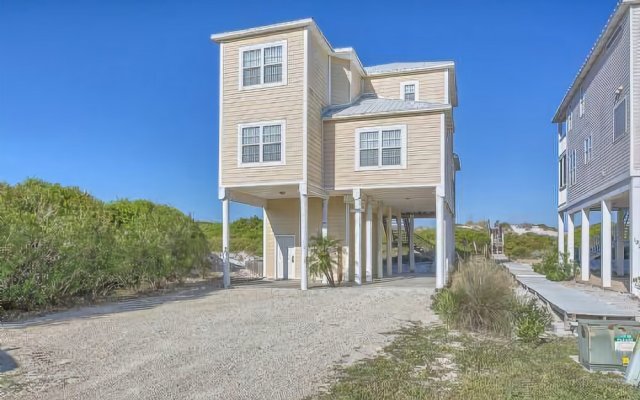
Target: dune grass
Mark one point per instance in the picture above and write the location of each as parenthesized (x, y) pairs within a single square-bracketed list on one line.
[(436, 363)]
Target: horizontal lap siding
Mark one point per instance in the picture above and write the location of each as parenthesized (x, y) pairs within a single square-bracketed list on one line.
[(431, 85), (635, 14), (423, 152), (340, 76), (610, 160), (265, 104), (317, 100)]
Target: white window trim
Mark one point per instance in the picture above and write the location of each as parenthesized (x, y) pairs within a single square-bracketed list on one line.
[(573, 167), (588, 149), (405, 83), (582, 102), (283, 128), (569, 120), (262, 46), (403, 148), (563, 171), (626, 118)]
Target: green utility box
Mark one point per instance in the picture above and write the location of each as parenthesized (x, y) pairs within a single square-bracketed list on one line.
[(606, 345)]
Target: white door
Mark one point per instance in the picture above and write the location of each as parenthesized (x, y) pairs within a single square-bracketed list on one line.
[(285, 257)]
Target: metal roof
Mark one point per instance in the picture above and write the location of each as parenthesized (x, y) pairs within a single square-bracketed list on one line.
[(406, 66), (372, 105)]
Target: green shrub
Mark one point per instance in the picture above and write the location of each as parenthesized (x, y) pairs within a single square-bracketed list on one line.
[(530, 319), (59, 243), (446, 305), (246, 235), (555, 268)]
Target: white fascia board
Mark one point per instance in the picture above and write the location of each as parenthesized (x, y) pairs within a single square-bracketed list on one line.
[(220, 37)]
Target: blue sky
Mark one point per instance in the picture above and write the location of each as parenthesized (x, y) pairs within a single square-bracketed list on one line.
[(120, 97)]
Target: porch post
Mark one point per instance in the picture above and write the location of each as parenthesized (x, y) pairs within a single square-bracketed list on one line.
[(584, 247), (226, 277), (605, 250), (325, 214), (440, 278), (347, 243), (357, 248), (412, 257), (634, 233), (304, 235), (389, 243), (570, 238), (369, 243), (380, 232), (399, 223), (560, 235), (620, 243)]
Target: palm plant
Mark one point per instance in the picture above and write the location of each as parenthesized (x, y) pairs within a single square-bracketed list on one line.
[(320, 260)]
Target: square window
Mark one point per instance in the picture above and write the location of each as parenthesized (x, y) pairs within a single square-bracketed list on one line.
[(263, 64)]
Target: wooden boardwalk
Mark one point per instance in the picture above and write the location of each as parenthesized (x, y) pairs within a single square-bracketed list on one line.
[(569, 303)]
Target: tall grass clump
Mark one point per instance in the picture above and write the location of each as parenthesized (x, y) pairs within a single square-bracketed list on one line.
[(60, 243), (482, 299)]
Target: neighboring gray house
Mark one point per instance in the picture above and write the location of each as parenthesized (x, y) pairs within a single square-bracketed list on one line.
[(599, 150)]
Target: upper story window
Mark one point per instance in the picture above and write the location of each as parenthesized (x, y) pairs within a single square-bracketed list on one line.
[(562, 171), (381, 147), (409, 90), (261, 143), (562, 130), (263, 65), (588, 151), (573, 167), (569, 120), (582, 102), (620, 126)]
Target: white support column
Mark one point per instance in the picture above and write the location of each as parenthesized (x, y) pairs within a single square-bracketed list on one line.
[(440, 277), (380, 231), (346, 249), (634, 233), (357, 246), (369, 242), (226, 276), (570, 238), (325, 217), (452, 239), (584, 246), (412, 256), (304, 235), (605, 250), (399, 223), (620, 242), (560, 235), (389, 243)]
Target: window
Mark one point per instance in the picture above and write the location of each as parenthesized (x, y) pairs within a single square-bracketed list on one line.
[(409, 90), (261, 143), (569, 120), (263, 65), (562, 171), (573, 178), (620, 119), (587, 149), (582, 105), (381, 147)]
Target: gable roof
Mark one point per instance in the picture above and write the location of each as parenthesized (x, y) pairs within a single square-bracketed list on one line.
[(595, 52), (370, 105), (398, 67)]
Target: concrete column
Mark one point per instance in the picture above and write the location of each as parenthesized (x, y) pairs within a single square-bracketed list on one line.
[(620, 242), (369, 243), (304, 236), (634, 232), (325, 217), (346, 276), (226, 275), (440, 273), (412, 256), (605, 251), (399, 222), (560, 234), (584, 249), (389, 244), (357, 246), (380, 231), (570, 238)]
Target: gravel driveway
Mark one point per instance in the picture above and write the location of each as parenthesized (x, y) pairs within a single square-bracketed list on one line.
[(264, 341)]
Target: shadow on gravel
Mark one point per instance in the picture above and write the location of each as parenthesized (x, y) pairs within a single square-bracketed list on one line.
[(7, 363)]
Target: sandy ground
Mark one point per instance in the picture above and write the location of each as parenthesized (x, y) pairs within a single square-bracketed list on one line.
[(261, 341)]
